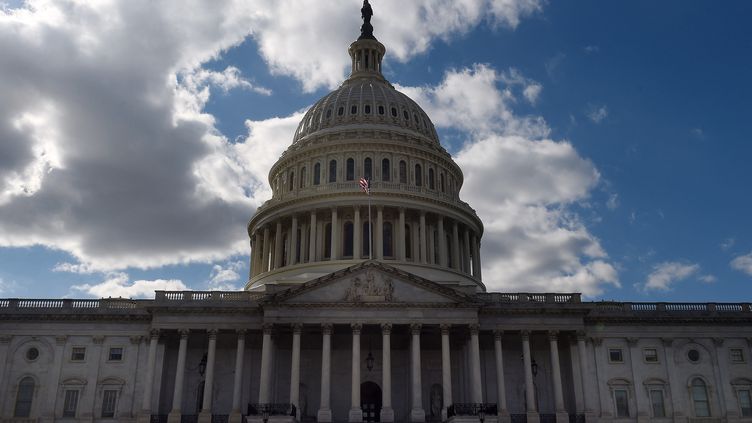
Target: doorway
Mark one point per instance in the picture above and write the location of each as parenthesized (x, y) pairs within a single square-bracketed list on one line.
[(370, 401)]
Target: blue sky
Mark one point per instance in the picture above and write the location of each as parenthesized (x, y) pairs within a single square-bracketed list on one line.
[(135, 138)]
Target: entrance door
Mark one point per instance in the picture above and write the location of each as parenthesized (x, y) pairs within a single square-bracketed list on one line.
[(370, 401)]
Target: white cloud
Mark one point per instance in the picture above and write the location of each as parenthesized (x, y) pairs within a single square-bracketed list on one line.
[(230, 78), (7, 287), (743, 263), (221, 276), (597, 113), (80, 268), (707, 279), (117, 284), (613, 201), (665, 274), (727, 243)]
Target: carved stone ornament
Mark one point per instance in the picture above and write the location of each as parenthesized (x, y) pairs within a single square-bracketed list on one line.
[(375, 288)]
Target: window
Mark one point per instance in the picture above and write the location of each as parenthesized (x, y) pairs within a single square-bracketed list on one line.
[(621, 402), (615, 355), (431, 184), (737, 355), (109, 401), (745, 402), (348, 241), (301, 184), (291, 182), (78, 354), (340, 111), (366, 239), (367, 109), (116, 354), (656, 402), (387, 237), (693, 355), (353, 110), (24, 397), (350, 169), (405, 115), (328, 113), (317, 173), (70, 403), (386, 170), (394, 112), (32, 353), (332, 171), (418, 176), (381, 110), (367, 168), (402, 172), (650, 355), (441, 183), (700, 398)]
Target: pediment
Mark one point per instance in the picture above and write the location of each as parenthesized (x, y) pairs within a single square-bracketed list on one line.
[(371, 283)]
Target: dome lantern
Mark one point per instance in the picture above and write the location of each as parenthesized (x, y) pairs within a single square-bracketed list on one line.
[(367, 52)]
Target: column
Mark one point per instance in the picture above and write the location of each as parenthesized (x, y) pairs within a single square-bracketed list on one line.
[(417, 414), (678, 405), (532, 409), (561, 412), (49, 408), (726, 394), (254, 248), (297, 328), (478, 266), (423, 243), (442, 243), (356, 414), (605, 401), (265, 251), (312, 239), (149, 382), (474, 252), (401, 252), (500, 385), (206, 409), (177, 394), (235, 416), (634, 355), (266, 361), (446, 369), (379, 233), (357, 232), (325, 411), (293, 242), (582, 355), (334, 253), (476, 390), (5, 340), (466, 253), (455, 246), (431, 243), (278, 243), (304, 242), (387, 412), (414, 240)]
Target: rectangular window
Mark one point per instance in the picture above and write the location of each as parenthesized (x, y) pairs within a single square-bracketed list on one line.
[(78, 354), (737, 355), (656, 400), (116, 354), (109, 400), (651, 355), (621, 402), (615, 355), (71, 403), (745, 402)]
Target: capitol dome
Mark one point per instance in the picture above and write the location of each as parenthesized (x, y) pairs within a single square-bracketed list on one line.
[(317, 221)]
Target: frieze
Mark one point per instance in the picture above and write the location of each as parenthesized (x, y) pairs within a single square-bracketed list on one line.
[(370, 290)]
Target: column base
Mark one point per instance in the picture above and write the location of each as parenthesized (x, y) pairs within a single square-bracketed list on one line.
[(174, 417), (417, 415), (561, 417), (504, 416), (144, 417), (533, 417), (235, 417), (590, 417), (205, 417), (324, 416), (387, 414), (355, 415)]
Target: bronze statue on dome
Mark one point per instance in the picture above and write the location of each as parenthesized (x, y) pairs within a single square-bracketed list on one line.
[(366, 31)]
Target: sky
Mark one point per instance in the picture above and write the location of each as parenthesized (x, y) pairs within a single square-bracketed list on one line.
[(605, 145)]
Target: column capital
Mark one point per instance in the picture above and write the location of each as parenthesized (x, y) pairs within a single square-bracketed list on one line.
[(356, 327), (154, 334), (415, 328), (136, 339), (386, 328), (498, 334), (98, 339), (445, 328), (59, 340), (327, 328), (422, 213), (553, 335), (241, 333), (667, 342), (184, 333), (474, 328), (267, 328), (212, 333), (597, 341), (297, 328), (525, 335), (632, 341)]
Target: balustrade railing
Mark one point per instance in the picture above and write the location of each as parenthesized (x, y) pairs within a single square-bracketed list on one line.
[(170, 297), (612, 307), (271, 409), (472, 409), (548, 298)]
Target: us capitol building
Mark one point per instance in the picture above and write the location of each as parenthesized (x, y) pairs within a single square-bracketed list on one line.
[(344, 322)]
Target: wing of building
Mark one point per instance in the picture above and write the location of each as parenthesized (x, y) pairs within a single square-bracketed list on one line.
[(365, 302)]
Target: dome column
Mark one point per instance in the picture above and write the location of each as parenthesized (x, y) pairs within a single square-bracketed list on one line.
[(278, 245), (431, 244), (476, 257), (265, 251), (455, 246), (312, 239), (293, 242), (401, 235), (466, 251), (379, 235), (303, 242), (442, 243), (423, 242), (357, 231), (334, 253)]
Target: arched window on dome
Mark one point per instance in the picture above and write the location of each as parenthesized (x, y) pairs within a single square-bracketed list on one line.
[(302, 181), (431, 184), (700, 398), (332, 171), (408, 243), (418, 176), (394, 112), (368, 168), (328, 241), (441, 182), (381, 109), (367, 109), (317, 173), (24, 397), (350, 169), (405, 115), (291, 181), (347, 241), (386, 170), (328, 113), (353, 109), (402, 172), (388, 240), (366, 239), (341, 111)]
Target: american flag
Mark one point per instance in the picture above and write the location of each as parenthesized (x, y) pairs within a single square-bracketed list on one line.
[(365, 185)]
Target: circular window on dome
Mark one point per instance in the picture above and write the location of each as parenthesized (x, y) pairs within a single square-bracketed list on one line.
[(693, 355), (32, 354)]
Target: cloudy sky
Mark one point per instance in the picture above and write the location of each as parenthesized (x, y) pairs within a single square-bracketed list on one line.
[(605, 145)]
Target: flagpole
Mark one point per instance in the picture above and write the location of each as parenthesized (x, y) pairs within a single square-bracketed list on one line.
[(370, 226)]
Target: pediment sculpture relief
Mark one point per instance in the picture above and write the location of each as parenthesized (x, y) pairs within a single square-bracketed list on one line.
[(375, 288)]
